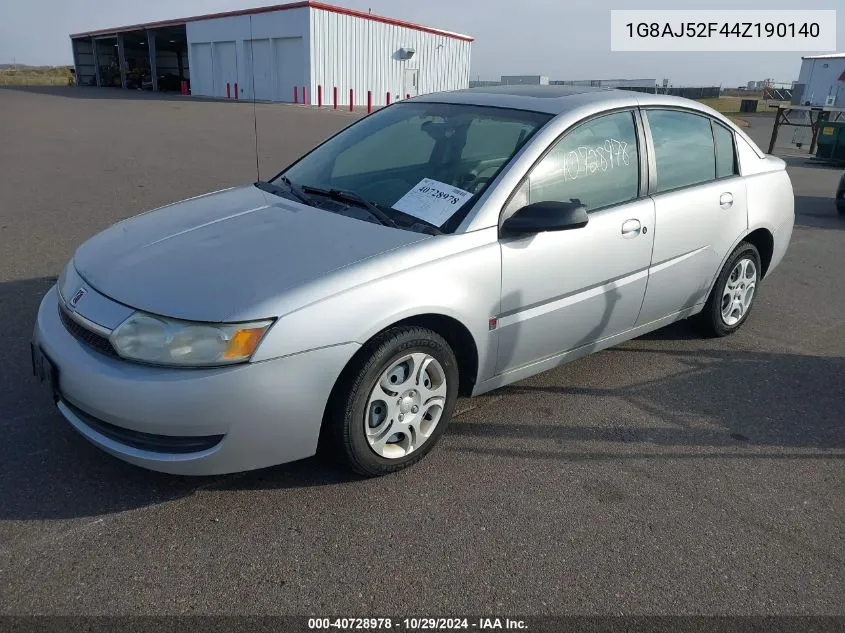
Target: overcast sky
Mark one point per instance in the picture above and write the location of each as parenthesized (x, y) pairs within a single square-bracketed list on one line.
[(563, 39)]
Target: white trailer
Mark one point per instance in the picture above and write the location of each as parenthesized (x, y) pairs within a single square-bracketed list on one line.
[(821, 81)]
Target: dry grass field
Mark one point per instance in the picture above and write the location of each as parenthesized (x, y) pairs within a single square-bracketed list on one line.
[(36, 76)]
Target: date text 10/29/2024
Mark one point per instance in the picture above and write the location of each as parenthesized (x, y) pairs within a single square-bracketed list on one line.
[(416, 624)]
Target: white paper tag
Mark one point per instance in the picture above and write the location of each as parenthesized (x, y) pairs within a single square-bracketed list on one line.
[(432, 201)]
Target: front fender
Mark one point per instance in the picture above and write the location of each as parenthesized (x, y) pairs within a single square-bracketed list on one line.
[(458, 276)]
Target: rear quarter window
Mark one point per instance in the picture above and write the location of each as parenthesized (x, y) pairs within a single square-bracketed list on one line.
[(725, 155)]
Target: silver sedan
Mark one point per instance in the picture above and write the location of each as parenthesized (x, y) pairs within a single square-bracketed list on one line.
[(446, 245)]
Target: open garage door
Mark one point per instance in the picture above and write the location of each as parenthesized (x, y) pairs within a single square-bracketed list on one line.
[(290, 61)]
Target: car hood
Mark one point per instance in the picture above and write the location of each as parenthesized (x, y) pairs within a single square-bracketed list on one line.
[(225, 256)]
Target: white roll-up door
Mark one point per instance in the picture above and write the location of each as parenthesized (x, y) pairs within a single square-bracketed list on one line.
[(260, 58), (290, 67), (225, 69)]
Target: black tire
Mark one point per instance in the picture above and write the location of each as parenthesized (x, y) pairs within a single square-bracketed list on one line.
[(710, 319), (343, 428)]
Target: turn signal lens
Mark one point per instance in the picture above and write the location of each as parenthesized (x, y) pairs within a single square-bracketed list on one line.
[(243, 343)]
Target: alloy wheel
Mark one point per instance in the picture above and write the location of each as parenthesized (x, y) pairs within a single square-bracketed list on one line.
[(738, 292)]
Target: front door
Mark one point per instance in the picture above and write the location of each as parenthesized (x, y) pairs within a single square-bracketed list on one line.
[(411, 83), (562, 290), (700, 206)]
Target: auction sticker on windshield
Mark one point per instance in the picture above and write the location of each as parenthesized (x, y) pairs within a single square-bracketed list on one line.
[(432, 201)]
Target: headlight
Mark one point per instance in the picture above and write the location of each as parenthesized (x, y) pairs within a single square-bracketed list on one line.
[(152, 339)]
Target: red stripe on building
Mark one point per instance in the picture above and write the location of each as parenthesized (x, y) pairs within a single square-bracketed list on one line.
[(279, 7)]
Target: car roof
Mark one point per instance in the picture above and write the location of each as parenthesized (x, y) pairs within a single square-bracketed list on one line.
[(557, 99), (536, 98)]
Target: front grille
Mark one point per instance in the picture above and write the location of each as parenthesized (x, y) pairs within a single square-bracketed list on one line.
[(92, 339), (147, 441)]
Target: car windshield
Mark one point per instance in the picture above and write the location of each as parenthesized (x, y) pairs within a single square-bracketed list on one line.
[(420, 164)]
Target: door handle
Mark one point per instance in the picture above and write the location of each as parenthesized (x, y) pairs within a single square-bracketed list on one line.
[(726, 200), (631, 228)]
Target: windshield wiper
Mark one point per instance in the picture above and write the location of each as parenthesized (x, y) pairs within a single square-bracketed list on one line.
[(296, 190), (351, 196), (276, 190)]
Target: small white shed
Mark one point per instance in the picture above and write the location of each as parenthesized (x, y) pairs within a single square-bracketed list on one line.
[(821, 81), (310, 52)]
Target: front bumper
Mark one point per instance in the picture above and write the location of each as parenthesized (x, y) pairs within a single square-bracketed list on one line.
[(258, 414)]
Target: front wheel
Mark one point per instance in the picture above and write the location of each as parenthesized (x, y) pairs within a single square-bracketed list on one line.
[(733, 294), (394, 401)]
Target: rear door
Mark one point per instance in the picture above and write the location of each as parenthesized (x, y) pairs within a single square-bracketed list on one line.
[(700, 208)]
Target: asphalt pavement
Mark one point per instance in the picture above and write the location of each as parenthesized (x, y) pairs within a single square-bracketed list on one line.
[(669, 475)]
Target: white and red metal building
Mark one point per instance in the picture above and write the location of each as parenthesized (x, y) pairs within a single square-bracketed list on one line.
[(304, 52)]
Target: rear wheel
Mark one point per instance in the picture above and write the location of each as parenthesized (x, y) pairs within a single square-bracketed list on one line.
[(394, 401), (733, 294)]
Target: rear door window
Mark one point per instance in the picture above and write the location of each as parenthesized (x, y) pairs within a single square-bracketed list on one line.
[(684, 150)]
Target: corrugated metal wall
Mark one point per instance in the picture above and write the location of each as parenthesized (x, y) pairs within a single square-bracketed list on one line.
[(337, 50), (361, 54), (275, 26)]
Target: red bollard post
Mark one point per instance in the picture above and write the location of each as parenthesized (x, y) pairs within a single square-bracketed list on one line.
[(369, 101), (236, 91), (388, 98), (319, 96), (228, 92), (407, 96), (334, 97), (295, 94), (304, 98), (351, 100)]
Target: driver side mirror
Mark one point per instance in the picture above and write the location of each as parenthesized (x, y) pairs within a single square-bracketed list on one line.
[(546, 216)]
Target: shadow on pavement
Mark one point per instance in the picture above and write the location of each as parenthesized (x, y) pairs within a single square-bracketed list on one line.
[(48, 471), (113, 93), (818, 212), (91, 92), (807, 161), (763, 401), (772, 400)]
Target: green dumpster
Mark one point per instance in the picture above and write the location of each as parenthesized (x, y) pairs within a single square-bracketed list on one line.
[(748, 105), (831, 141)]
